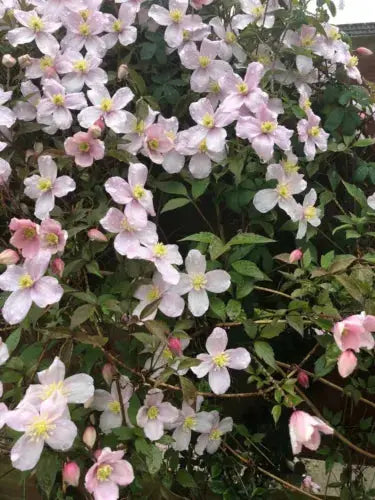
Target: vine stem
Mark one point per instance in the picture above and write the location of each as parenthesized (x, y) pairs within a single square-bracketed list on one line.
[(275, 292), (118, 387), (209, 225)]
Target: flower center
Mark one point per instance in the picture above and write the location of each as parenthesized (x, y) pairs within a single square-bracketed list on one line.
[(80, 65), (314, 131), (189, 422), (140, 127), (353, 61), (203, 146), (310, 212), (334, 34), (45, 63), (221, 359), (153, 412), (215, 435), (283, 190), (125, 225), (258, 11), (58, 100), (84, 147), (176, 15), (208, 121), (153, 294), (36, 24), (167, 353), (138, 192), (306, 104), (29, 233), (230, 37), (153, 144), (117, 26), (199, 281), (103, 473), (114, 407), (84, 29), (268, 127), (44, 184), (306, 41), (289, 167), (106, 104), (204, 61), (186, 35), (265, 60), (52, 388), (242, 88), (84, 14), (25, 281), (215, 87), (160, 250), (52, 239), (40, 428)]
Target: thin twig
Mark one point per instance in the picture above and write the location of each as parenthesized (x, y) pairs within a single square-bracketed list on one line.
[(275, 292)]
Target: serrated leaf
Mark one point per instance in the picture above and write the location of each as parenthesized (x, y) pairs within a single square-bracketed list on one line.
[(81, 314), (296, 322), (218, 307), (265, 352), (154, 459), (272, 330), (174, 204), (217, 248), (350, 286), (276, 413), (249, 239), (247, 268)]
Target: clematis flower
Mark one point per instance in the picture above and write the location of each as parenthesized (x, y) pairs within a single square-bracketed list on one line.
[(196, 282), (306, 37), (4, 353), (307, 213), (309, 485), (27, 110), (34, 28), (228, 41), (28, 285), (75, 389), (45, 187), (57, 8), (204, 64), (163, 256), (189, 420), (25, 236), (263, 132), (5, 171), (153, 416), (138, 200), (371, 201), (81, 70), (85, 148), (304, 431), (107, 474), (170, 302), (210, 441), (255, 12), (156, 143), (121, 29), (52, 236), (130, 237), (355, 332), (282, 195), (84, 32), (135, 131), (57, 103), (331, 46), (173, 160), (46, 67), (110, 406), (218, 360), (7, 116), (48, 425), (351, 68), (198, 4), (165, 355), (110, 108), (347, 363), (312, 135)]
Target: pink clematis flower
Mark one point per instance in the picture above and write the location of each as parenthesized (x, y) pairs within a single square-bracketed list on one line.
[(135, 131), (156, 143), (26, 236), (198, 4), (306, 213), (312, 135), (196, 282), (138, 200), (27, 110), (218, 360), (331, 46), (204, 64), (256, 13), (347, 363), (52, 237), (170, 302), (49, 425), (228, 41), (110, 406), (85, 148), (173, 160), (84, 32), (121, 29), (81, 70), (7, 116), (34, 28), (46, 67), (304, 431), (355, 332), (307, 38), (110, 108), (28, 285), (5, 171), (166, 355), (107, 474), (189, 420), (153, 416), (57, 103), (45, 187), (309, 485), (263, 132), (210, 441), (56, 9), (351, 68), (163, 256)]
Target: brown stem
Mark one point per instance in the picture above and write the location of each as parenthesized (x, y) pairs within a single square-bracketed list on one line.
[(276, 292), (118, 387)]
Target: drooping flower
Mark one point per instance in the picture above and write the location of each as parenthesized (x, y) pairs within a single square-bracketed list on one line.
[(355, 332), (107, 107), (303, 379), (85, 148), (57, 267), (25, 236), (155, 413), (229, 45), (81, 70), (196, 282), (305, 431), (28, 285), (110, 405), (312, 135), (48, 425), (52, 236), (219, 359), (108, 473), (121, 29), (307, 213), (309, 485), (210, 441), (347, 363), (164, 257), (7, 116), (189, 420)]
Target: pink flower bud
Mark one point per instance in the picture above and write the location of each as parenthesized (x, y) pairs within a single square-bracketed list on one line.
[(24, 61), (71, 474), (303, 379), (347, 363), (174, 345), (122, 71), (364, 51), (96, 235), (100, 123), (89, 436), (97, 453), (108, 371), (8, 61), (95, 131), (9, 257), (57, 267), (295, 256)]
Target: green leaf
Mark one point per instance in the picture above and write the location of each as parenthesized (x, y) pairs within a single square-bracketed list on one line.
[(157, 328), (249, 239), (81, 314), (218, 307), (13, 340), (148, 51), (265, 352), (356, 193), (273, 330), (341, 263), (198, 187), (276, 413), (334, 119), (296, 322), (364, 143), (188, 363), (172, 187), (188, 389), (93, 268), (233, 309), (247, 268), (88, 297), (48, 466), (123, 433), (202, 237), (350, 286), (185, 479), (154, 459), (244, 288), (175, 203), (217, 248)]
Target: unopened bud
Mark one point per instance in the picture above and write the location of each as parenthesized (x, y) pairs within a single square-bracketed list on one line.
[(295, 256), (108, 372), (96, 235), (89, 436), (174, 345), (71, 474), (364, 51), (57, 267), (97, 453), (8, 257), (122, 71), (303, 379), (24, 61), (95, 131), (100, 123), (8, 61)]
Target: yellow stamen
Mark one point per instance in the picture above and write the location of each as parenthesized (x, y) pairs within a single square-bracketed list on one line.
[(176, 15), (117, 26), (160, 250), (153, 294), (221, 359), (230, 37), (140, 127), (283, 190), (138, 191), (52, 239), (199, 281), (310, 212), (45, 63), (84, 14), (215, 435), (40, 428), (106, 104), (353, 61), (25, 281), (215, 87), (167, 354), (208, 121), (203, 146), (114, 407), (29, 233), (80, 65), (44, 184), (258, 11), (36, 24), (314, 131), (204, 61), (242, 88), (189, 422), (52, 388), (153, 144), (84, 29), (186, 35), (153, 412), (289, 167), (126, 226), (84, 147), (307, 41), (103, 473), (268, 127)]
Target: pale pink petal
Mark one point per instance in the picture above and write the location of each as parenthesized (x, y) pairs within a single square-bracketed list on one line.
[(239, 359), (112, 221), (167, 413), (80, 388), (26, 453), (198, 302), (195, 262), (17, 306), (217, 341), (217, 281), (122, 473), (119, 190), (46, 291), (54, 374), (219, 380), (265, 200)]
